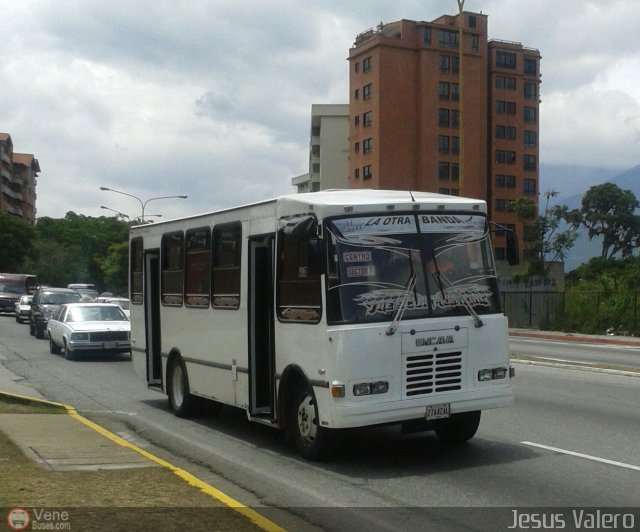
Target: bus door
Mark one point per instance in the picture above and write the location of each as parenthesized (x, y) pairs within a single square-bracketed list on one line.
[(152, 317), (261, 327)]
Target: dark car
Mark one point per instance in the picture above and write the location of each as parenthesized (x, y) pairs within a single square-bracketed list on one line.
[(45, 302)]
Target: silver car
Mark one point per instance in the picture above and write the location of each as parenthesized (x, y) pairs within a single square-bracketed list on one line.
[(23, 308), (89, 328)]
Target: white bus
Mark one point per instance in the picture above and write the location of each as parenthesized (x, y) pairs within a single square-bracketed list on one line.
[(325, 311)]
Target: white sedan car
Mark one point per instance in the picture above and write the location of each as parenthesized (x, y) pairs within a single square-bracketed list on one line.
[(89, 327)]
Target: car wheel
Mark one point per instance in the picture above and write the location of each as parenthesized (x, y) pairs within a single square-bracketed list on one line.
[(459, 428), (53, 347), (310, 439), (68, 353), (39, 333), (181, 402)]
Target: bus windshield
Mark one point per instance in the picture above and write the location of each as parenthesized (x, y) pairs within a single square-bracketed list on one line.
[(427, 265)]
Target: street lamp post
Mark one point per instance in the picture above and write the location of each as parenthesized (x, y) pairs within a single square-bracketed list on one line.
[(121, 214), (143, 204)]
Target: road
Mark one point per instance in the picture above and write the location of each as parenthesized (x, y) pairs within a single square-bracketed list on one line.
[(571, 440)]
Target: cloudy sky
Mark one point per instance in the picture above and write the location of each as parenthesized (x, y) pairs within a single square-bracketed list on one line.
[(212, 98)]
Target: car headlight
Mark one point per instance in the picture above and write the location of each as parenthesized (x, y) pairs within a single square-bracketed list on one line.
[(370, 388)]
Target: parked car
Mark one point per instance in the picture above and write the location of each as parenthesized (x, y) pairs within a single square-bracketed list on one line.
[(89, 327), (45, 302), (12, 287), (23, 308), (122, 302)]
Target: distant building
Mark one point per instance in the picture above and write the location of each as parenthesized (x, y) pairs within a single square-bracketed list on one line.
[(431, 112), (18, 174), (328, 149)]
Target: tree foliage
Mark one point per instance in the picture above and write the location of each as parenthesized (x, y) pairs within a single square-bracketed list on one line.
[(17, 242), (610, 213), (547, 236)]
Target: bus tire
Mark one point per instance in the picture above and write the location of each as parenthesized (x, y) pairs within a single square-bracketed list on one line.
[(310, 440), (459, 428), (181, 402)]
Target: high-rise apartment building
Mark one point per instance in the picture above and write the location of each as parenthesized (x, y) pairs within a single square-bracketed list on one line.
[(18, 180), (431, 111), (328, 149)]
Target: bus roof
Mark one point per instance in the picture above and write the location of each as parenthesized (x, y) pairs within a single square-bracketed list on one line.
[(335, 202)]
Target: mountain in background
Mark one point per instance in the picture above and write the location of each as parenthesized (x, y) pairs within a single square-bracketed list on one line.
[(572, 182)]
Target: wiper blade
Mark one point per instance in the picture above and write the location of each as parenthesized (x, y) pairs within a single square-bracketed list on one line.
[(403, 305)]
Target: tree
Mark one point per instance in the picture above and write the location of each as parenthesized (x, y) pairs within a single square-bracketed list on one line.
[(545, 239), (609, 212), (17, 239)]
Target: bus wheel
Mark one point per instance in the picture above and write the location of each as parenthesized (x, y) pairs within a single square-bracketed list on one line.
[(311, 440), (181, 402), (459, 428)]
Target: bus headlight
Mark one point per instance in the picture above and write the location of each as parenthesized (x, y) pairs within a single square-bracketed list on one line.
[(491, 374), (370, 388)]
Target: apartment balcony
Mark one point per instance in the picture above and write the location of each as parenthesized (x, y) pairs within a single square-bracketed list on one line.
[(11, 193), (13, 210)]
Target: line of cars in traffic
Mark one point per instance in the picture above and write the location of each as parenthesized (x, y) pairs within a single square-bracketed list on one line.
[(76, 320)]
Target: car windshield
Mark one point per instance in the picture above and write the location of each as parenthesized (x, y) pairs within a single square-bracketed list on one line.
[(421, 264), (59, 298), (90, 313)]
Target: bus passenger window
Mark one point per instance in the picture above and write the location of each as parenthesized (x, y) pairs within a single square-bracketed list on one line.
[(197, 264), (172, 266), (136, 258), (299, 268), (225, 274)]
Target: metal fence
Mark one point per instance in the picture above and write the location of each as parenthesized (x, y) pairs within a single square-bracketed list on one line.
[(587, 312)]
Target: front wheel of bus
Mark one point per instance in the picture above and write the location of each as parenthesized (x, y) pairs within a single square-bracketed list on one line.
[(310, 439), (459, 428), (181, 402)]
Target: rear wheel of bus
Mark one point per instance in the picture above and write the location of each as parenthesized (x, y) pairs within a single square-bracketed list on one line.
[(459, 428), (310, 439), (181, 402)]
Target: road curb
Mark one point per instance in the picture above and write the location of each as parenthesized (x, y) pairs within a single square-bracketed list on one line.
[(256, 518), (568, 364)]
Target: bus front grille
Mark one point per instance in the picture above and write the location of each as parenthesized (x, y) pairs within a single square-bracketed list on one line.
[(432, 373)]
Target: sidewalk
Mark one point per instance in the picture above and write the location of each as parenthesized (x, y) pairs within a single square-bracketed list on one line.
[(101, 480)]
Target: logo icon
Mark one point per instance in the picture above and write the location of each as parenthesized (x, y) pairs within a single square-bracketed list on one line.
[(18, 519)]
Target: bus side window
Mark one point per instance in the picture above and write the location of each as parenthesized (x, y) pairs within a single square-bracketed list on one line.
[(225, 273), (299, 268), (172, 266), (135, 256), (197, 264)]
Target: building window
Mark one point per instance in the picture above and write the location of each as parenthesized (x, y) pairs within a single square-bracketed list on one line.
[(475, 42), (356, 147), (366, 172), (356, 67), (530, 67), (455, 118), (455, 91), (505, 107), (505, 59), (356, 173), (530, 139), (445, 191), (529, 187), (366, 64), (443, 117), (315, 150), (448, 64), (529, 162), (443, 170), (455, 145), (448, 39), (443, 143), (530, 91), (367, 91), (505, 157), (472, 21), (530, 115), (443, 90), (506, 132), (427, 35), (356, 120), (356, 94), (366, 145), (505, 82), (501, 205), (505, 181), (315, 168), (455, 171), (366, 118)]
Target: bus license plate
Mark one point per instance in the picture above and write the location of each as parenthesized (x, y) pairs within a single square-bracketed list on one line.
[(438, 411)]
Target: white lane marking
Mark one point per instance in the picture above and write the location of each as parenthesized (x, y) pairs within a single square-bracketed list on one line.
[(581, 455), (570, 343)]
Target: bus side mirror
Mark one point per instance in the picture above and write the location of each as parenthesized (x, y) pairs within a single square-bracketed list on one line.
[(513, 255)]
